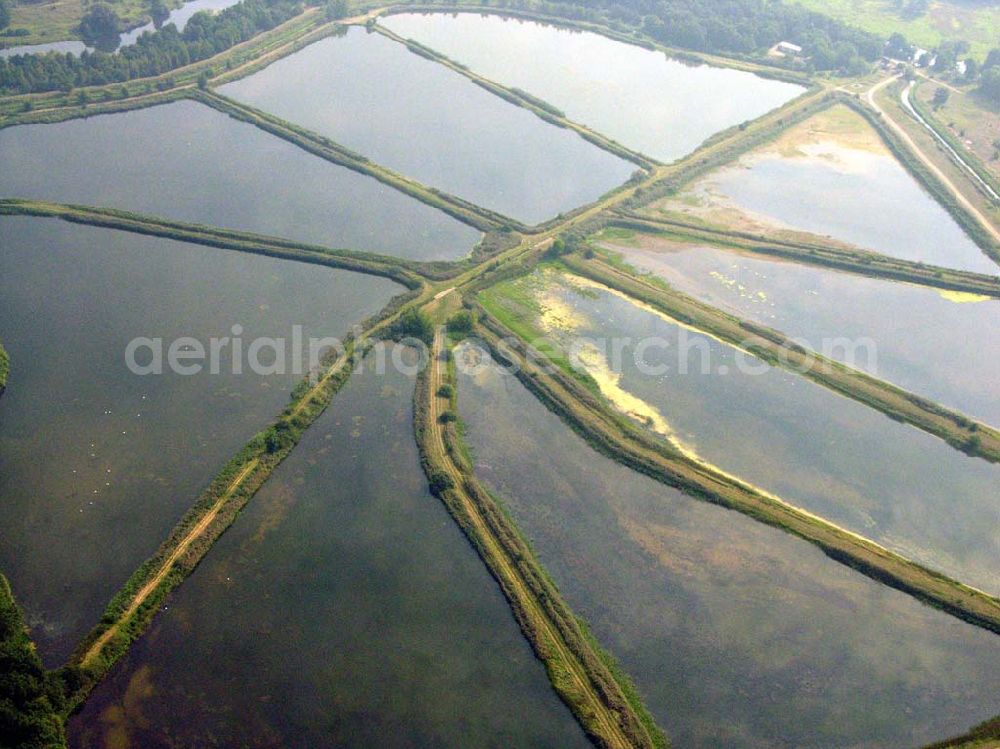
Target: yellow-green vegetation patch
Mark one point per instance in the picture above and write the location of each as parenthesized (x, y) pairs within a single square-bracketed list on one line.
[(617, 236), (532, 307)]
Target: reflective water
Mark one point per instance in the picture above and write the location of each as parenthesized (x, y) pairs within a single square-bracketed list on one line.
[(186, 161), (647, 101), (832, 175), (941, 345), (419, 118), (73, 47), (882, 208), (178, 17), (343, 609), (833, 456), (738, 635), (97, 463)]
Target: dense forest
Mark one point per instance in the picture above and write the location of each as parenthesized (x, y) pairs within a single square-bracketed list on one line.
[(734, 27), (154, 53), (29, 698)]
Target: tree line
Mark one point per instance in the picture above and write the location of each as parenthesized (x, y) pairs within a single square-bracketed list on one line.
[(731, 27), (30, 699), (153, 54)]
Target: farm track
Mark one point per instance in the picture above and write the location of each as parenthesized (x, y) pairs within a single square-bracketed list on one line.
[(608, 729), (146, 590)]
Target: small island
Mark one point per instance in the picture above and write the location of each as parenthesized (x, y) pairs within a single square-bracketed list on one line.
[(4, 368)]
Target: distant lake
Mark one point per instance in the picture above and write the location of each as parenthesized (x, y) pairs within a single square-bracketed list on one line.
[(178, 17)]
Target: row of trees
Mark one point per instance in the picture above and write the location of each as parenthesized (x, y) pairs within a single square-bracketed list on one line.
[(751, 26), (732, 27), (154, 53)]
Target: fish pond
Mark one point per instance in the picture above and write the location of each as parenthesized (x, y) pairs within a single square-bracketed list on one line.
[(344, 608), (940, 344), (813, 448), (737, 634), (832, 175), (657, 105), (417, 117), (97, 463), (186, 161)]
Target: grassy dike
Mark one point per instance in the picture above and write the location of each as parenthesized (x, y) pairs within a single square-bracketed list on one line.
[(4, 368), (396, 269), (632, 446), (925, 177), (813, 252), (520, 98), (318, 145), (405, 272), (132, 609), (776, 349), (501, 231), (602, 699)]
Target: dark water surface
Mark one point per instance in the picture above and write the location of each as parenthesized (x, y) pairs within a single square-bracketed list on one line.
[(97, 464), (738, 635), (188, 162), (343, 609)]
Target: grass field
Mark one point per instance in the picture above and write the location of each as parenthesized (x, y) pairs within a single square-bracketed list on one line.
[(969, 118), (57, 20), (977, 22)]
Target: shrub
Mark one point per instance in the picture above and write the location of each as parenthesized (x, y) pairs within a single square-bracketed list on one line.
[(412, 324), (461, 323), (440, 482)]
